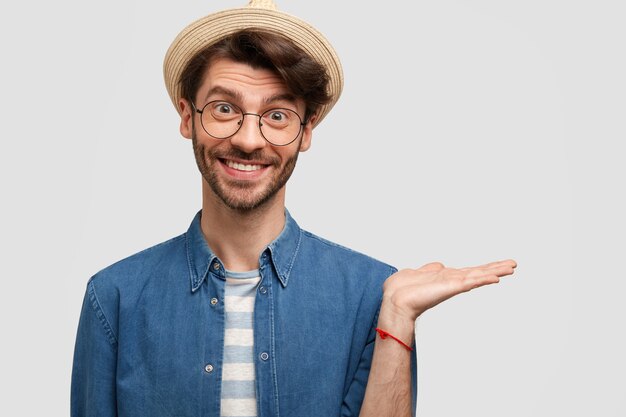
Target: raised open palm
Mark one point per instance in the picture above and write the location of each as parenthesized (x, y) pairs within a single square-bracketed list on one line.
[(410, 292)]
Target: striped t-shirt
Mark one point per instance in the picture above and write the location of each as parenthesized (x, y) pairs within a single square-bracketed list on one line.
[(238, 377)]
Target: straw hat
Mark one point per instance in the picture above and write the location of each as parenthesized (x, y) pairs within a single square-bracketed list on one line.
[(259, 14)]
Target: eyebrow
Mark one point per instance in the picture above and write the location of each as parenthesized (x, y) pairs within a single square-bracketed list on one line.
[(235, 95), (280, 97), (225, 91)]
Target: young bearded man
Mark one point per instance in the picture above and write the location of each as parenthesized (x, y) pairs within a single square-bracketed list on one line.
[(246, 314)]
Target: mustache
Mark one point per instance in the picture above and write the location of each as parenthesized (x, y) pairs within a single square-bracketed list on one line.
[(234, 153)]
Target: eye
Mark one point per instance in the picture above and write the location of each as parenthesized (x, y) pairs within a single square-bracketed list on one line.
[(223, 111), (223, 108), (277, 116)]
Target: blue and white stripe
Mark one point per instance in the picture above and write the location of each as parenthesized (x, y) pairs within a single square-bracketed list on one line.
[(238, 375)]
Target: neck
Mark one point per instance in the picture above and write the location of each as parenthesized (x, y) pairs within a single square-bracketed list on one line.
[(239, 237)]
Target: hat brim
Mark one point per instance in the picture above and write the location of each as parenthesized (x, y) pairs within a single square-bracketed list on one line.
[(214, 27)]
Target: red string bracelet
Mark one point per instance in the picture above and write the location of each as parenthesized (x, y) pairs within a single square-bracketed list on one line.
[(383, 335)]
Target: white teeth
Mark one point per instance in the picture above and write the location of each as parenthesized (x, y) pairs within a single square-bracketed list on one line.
[(242, 167)]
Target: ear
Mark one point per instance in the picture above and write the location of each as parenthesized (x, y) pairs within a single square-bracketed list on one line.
[(186, 118), (307, 134)]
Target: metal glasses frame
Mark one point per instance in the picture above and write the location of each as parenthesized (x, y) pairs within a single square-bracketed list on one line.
[(243, 114)]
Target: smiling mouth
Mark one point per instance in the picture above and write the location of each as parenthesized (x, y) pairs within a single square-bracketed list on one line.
[(242, 167)]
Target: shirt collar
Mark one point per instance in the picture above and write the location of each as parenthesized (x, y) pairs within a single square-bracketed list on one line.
[(199, 255), (284, 248), (282, 251)]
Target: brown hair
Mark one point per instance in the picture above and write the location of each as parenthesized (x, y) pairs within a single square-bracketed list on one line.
[(305, 77)]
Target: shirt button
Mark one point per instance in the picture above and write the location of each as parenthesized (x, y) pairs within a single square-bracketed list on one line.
[(262, 289), (214, 301), (264, 356), (216, 266), (208, 368)]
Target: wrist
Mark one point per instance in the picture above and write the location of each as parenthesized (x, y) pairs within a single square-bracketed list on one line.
[(397, 323)]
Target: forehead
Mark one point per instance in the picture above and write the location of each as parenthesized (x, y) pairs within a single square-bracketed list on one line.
[(247, 83)]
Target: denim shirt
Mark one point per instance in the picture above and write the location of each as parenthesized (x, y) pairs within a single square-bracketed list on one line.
[(150, 340)]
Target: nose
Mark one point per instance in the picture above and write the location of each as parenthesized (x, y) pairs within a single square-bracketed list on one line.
[(248, 138)]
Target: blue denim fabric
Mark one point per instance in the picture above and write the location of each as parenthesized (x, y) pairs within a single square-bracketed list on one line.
[(151, 334)]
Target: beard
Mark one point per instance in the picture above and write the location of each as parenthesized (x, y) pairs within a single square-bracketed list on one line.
[(240, 195)]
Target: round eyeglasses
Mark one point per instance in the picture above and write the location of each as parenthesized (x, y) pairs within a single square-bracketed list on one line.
[(221, 120)]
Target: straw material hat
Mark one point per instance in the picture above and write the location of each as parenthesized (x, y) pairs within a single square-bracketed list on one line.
[(259, 14)]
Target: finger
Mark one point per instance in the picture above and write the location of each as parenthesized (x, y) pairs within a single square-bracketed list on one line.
[(497, 270), (509, 262), (461, 283), (485, 280), (470, 283)]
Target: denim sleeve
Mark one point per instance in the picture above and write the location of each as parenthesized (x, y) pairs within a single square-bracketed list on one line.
[(353, 400), (94, 368)]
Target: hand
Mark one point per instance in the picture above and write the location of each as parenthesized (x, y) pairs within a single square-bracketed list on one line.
[(410, 292), (406, 295)]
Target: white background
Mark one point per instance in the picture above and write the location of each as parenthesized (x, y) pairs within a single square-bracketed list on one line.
[(468, 131)]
